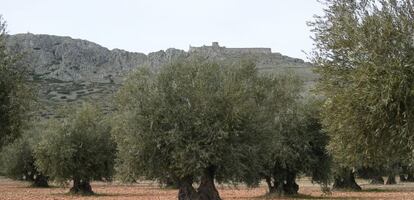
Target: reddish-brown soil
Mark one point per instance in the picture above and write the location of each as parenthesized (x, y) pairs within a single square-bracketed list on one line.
[(14, 190)]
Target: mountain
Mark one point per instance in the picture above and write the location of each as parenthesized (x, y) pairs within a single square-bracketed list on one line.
[(73, 70)]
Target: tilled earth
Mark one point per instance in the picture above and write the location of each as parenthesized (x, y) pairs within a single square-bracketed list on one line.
[(14, 190)]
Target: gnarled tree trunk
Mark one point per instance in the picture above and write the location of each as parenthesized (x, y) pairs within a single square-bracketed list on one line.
[(283, 182), (37, 180), (207, 190), (271, 185), (377, 180), (169, 183), (391, 180), (346, 181), (290, 187), (410, 177), (82, 187), (40, 181), (186, 190), (402, 178)]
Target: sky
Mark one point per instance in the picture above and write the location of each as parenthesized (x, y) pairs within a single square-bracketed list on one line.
[(152, 25)]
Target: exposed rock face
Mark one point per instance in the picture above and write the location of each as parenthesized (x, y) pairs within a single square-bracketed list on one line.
[(69, 60), (68, 70), (159, 58)]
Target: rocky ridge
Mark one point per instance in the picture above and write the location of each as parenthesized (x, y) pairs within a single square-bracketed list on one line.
[(72, 70)]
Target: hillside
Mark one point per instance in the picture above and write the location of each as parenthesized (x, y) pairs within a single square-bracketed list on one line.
[(72, 70)]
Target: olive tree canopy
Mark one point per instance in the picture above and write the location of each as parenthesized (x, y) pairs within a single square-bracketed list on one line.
[(193, 121), (78, 148), (364, 53)]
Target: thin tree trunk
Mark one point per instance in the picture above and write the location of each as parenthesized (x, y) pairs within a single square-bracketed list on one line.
[(81, 187), (207, 190)]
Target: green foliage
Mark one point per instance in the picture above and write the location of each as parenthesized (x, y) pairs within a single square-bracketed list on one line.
[(77, 148), (15, 95), (297, 144), (364, 54), (191, 116), (316, 160), (17, 158), (195, 116)]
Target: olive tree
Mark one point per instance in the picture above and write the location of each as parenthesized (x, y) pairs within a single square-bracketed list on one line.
[(17, 158), (296, 144), (15, 95), (364, 54), (78, 148), (191, 122)]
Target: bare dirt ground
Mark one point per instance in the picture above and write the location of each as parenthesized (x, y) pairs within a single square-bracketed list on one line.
[(14, 190)]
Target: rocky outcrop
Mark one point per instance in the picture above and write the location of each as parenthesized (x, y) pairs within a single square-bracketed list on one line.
[(68, 70), (71, 60), (159, 58), (74, 60)]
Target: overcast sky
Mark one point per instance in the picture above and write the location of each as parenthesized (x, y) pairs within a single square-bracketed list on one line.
[(151, 25)]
